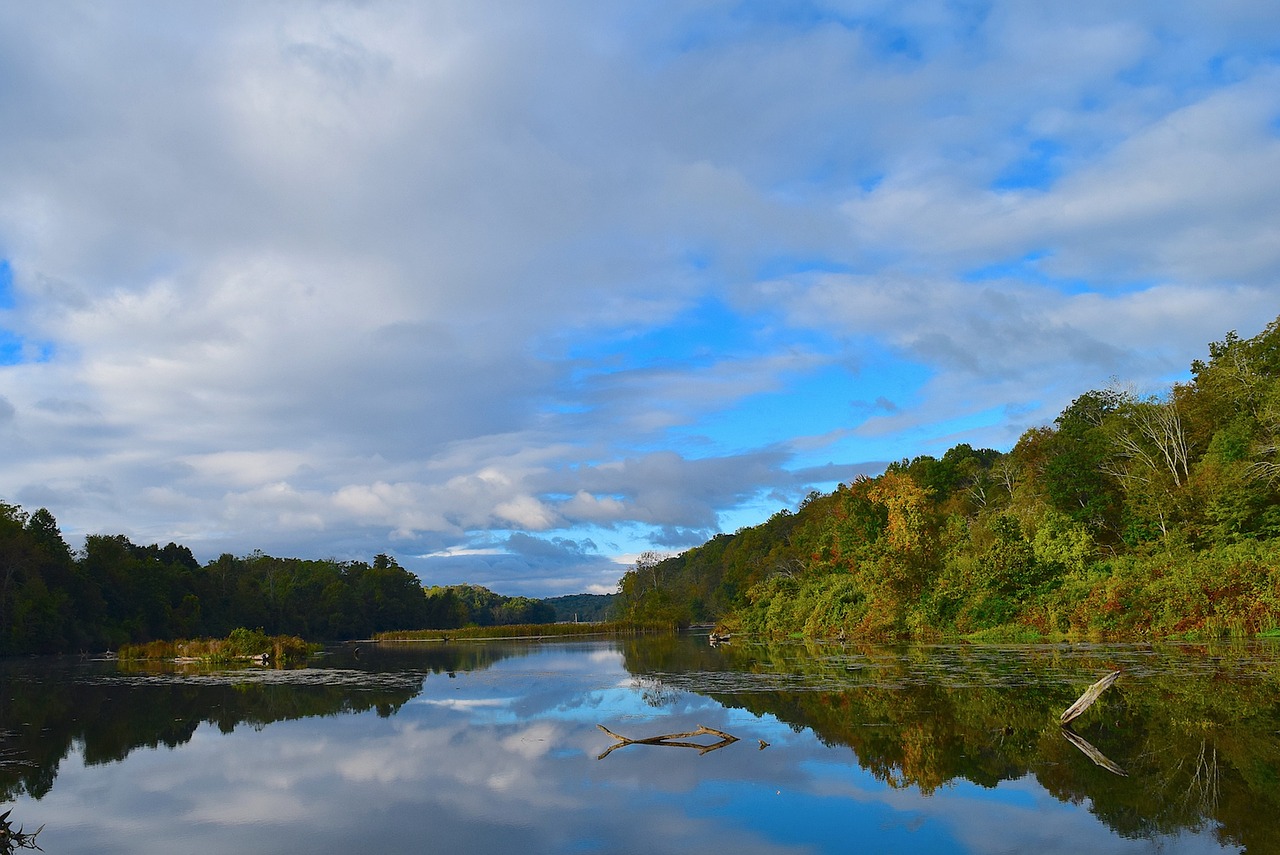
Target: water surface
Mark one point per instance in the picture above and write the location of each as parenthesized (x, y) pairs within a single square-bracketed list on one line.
[(495, 747)]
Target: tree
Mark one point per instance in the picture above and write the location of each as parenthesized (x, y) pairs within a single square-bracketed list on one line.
[(1076, 472), (648, 567), (43, 529)]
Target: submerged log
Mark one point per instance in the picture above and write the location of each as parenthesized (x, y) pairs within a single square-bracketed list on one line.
[(671, 739), (1086, 700)]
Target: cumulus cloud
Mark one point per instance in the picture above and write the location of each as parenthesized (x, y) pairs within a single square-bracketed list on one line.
[(342, 278)]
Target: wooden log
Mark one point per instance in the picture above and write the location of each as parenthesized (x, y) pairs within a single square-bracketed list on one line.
[(671, 739), (1086, 700)]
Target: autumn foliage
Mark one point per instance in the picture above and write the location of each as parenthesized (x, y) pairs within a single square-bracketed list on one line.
[(1129, 516)]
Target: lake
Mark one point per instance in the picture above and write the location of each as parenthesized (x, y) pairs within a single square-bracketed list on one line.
[(495, 747)]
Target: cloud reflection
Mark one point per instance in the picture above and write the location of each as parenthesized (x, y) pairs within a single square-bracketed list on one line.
[(505, 760)]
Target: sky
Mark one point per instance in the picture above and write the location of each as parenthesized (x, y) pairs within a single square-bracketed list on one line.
[(515, 291)]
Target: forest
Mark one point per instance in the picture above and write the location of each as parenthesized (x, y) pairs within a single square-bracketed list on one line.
[(116, 592), (1131, 515)]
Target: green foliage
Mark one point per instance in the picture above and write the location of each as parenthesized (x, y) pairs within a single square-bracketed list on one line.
[(1076, 476), (1127, 517), (241, 644), (455, 606), (117, 592), (583, 607), (1062, 544)]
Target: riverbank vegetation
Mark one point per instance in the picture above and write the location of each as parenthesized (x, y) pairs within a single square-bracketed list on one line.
[(242, 645), (1132, 515)]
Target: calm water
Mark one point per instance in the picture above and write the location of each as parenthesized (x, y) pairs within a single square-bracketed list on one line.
[(495, 748)]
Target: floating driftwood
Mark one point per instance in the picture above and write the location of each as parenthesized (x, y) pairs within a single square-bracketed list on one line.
[(672, 739), (1092, 753), (1090, 695)]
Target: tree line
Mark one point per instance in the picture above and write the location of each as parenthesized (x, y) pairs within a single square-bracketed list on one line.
[(115, 592), (1131, 514), (454, 606)]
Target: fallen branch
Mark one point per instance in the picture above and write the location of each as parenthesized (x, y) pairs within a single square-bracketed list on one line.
[(671, 739), (1090, 695)]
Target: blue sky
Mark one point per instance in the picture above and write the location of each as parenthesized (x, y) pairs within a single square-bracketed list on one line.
[(518, 291)]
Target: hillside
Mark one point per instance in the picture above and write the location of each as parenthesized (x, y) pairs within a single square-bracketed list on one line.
[(1127, 516)]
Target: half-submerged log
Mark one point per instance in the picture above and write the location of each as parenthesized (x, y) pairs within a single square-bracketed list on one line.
[(672, 739), (1086, 700)]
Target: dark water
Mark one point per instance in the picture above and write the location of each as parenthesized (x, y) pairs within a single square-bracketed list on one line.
[(495, 748)]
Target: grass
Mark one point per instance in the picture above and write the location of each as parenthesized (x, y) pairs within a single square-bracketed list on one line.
[(241, 645), (1012, 633)]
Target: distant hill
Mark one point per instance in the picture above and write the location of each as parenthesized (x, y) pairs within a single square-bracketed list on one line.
[(583, 607)]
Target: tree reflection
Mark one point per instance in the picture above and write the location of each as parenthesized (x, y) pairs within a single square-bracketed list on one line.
[(111, 709), (1187, 740), (12, 839)]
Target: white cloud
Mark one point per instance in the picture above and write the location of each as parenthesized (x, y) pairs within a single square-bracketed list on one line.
[(326, 277)]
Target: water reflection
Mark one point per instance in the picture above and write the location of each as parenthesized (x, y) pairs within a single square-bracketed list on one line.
[(486, 747), (1194, 728), (12, 839)]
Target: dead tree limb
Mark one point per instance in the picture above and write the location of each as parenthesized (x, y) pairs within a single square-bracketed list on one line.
[(671, 739), (1086, 700)]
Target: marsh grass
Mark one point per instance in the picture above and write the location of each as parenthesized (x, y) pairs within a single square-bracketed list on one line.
[(241, 645)]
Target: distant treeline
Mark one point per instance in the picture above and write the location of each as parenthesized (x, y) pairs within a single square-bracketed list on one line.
[(116, 592), (583, 608), (1130, 515), (456, 606)]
